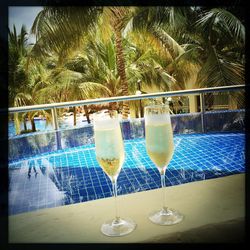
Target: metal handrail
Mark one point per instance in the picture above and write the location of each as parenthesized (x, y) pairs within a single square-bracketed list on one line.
[(125, 98), (199, 92)]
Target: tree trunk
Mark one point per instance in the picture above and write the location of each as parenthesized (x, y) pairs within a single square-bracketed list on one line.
[(232, 104), (24, 124), (193, 106), (113, 106), (74, 110), (86, 113), (17, 124), (121, 68), (137, 114), (209, 100), (33, 125), (141, 109)]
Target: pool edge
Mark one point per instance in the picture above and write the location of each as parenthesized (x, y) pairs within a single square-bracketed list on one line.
[(207, 202)]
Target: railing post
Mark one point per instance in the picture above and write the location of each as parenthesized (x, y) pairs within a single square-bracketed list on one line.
[(54, 118), (202, 110)]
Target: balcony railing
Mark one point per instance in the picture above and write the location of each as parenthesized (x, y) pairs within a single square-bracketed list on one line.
[(201, 92)]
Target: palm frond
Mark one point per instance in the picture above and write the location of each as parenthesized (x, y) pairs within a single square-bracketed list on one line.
[(77, 64), (192, 54), (23, 99), (218, 71), (226, 22), (178, 17), (61, 28), (170, 44), (144, 45), (239, 98), (93, 90)]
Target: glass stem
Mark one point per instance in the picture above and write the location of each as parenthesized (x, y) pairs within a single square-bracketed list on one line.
[(114, 186), (163, 184)]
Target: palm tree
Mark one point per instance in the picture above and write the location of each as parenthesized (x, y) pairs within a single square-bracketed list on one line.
[(99, 66), (24, 99), (54, 84), (208, 57), (20, 87), (213, 42), (60, 26), (146, 64), (177, 29), (224, 54), (151, 23), (61, 30), (63, 84), (118, 18), (17, 76)]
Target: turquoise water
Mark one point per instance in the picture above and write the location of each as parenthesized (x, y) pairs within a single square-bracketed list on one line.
[(42, 126), (73, 175)]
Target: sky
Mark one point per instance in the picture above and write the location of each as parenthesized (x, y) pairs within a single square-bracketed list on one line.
[(24, 15)]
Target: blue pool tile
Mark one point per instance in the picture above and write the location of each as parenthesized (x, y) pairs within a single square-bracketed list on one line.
[(73, 175)]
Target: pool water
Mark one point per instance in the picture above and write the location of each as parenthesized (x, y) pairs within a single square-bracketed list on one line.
[(73, 175), (41, 125)]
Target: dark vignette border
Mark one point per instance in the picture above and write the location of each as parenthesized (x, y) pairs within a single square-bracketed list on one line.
[(240, 4)]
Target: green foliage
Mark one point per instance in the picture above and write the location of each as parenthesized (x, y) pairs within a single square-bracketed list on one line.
[(17, 76), (218, 71), (75, 56), (220, 23)]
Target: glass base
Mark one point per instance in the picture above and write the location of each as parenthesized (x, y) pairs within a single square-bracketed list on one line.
[(166, 216), (118, 227)]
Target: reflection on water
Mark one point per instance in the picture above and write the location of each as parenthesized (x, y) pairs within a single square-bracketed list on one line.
[(73, 175), (26, 186), (32, 166), (60, 168)]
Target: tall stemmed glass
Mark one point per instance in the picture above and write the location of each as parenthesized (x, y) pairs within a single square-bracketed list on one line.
[(160, 148), (110, 156)]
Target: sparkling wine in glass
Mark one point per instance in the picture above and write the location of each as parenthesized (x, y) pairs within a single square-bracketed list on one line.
[(160, 148), (110, 156)]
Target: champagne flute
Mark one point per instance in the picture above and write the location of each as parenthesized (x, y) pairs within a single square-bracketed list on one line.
[(110, 156), (160, 148)]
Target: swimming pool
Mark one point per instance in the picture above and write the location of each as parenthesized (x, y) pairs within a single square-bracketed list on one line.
[(41, 125), (72, 175)]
